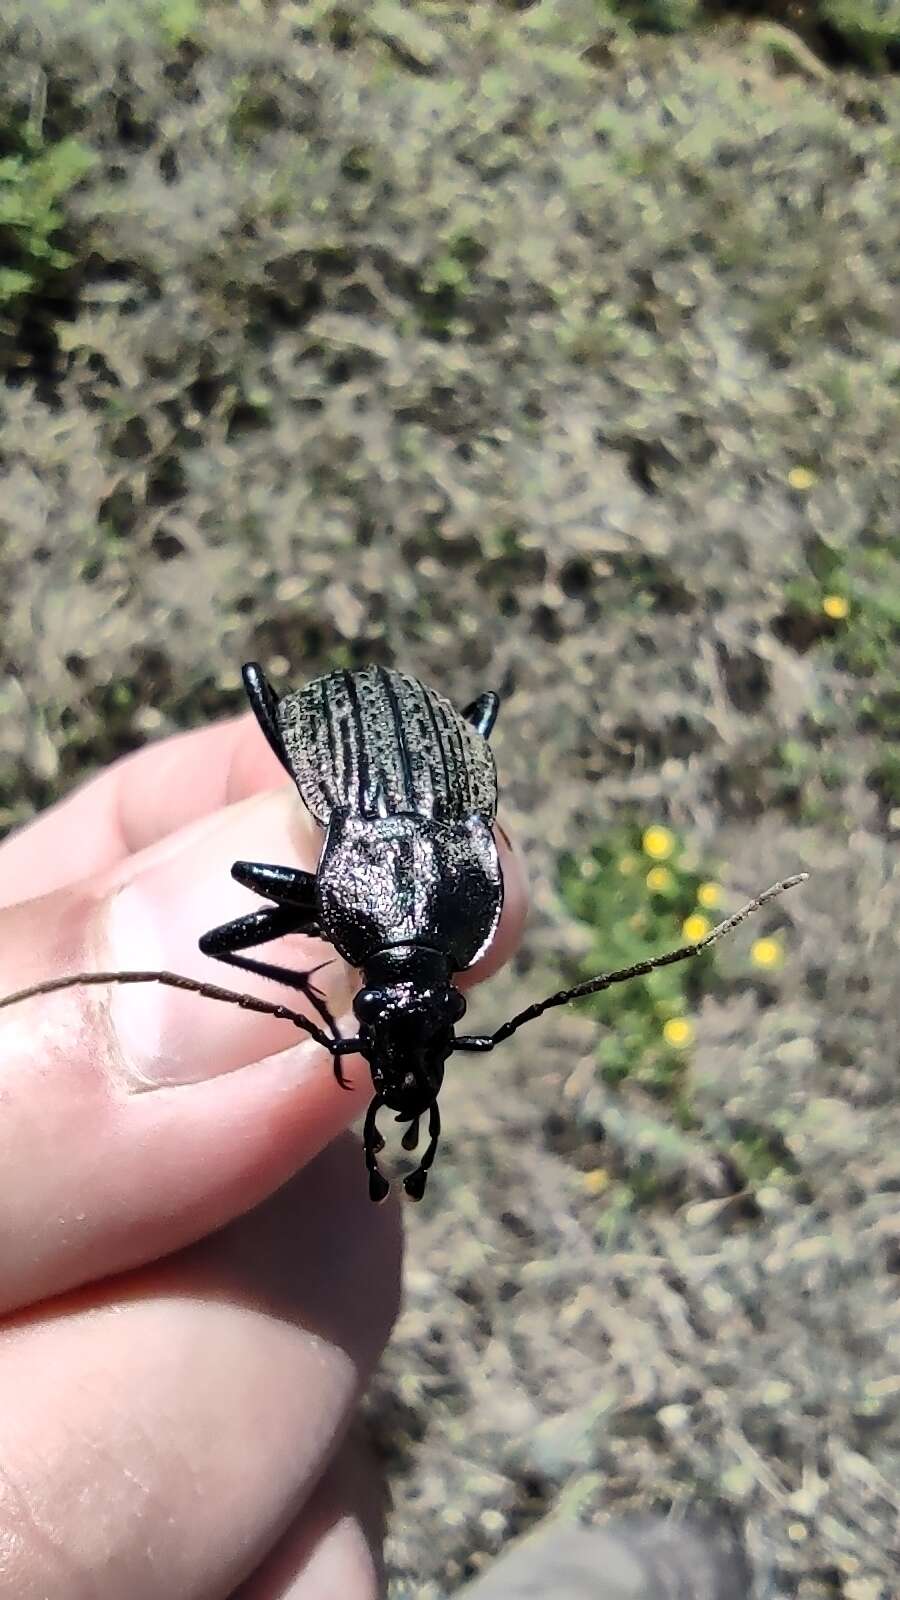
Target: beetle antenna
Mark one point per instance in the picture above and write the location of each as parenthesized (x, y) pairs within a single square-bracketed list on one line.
[(175, 980), (639, 970)]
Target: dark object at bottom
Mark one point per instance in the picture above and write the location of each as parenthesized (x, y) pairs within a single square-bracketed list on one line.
[(647, 1560)]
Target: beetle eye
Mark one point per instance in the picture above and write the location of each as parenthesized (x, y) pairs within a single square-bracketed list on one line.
[(367, 1004), (456, 1006)]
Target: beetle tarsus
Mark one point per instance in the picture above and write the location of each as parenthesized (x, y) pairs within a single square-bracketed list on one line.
[(264, 703), (482, 713), (258, 927), (379, 1188), (414, 1182), (343, 1082), (372, 1145), (287, 886)]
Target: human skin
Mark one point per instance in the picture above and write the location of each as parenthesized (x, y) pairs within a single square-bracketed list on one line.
[(194, 1286)]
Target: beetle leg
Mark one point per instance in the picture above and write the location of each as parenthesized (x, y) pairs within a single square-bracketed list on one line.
[(411, 1137), (345, 1047), (372, 1144), (344, 1083), (287, 886), (482, 713), (414, 1182), (258, 927), (264, 703)]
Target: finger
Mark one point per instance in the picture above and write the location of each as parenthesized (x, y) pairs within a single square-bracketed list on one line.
[(136, 1119), (188, 1412), (332, 1551), (129, 1132), (133, 803), (515, 911)]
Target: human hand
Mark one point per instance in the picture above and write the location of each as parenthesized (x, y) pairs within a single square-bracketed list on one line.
[(182, 1348)]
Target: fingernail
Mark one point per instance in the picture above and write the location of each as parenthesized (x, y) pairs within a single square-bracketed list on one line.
[(173, 895)]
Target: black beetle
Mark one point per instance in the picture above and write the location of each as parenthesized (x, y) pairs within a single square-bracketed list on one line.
[(408, 888)]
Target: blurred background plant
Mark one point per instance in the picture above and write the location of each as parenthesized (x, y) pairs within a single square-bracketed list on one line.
[(34, 178), (636, 890)]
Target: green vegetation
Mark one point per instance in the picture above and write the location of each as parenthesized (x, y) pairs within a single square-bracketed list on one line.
[(642, 894), (868, 29), (166, 23), (659, 16), (35, 178), (847, 608), (865, 33)]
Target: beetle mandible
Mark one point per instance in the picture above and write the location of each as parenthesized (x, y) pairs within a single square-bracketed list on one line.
[(408, 889)]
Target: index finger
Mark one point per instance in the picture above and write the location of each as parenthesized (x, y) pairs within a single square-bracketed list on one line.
[(137, 801)]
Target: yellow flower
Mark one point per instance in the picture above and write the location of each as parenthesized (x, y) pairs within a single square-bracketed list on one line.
[(658, 843), (766, 953), (801, 478), (627, 865), (709, 896), (835, 606), (595, 1182), (659, 879), (695, 926), (678, 1032)]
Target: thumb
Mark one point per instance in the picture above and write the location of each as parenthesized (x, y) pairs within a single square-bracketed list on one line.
[(136, 1119)]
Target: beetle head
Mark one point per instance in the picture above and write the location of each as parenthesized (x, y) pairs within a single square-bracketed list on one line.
[(406, 1014)]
